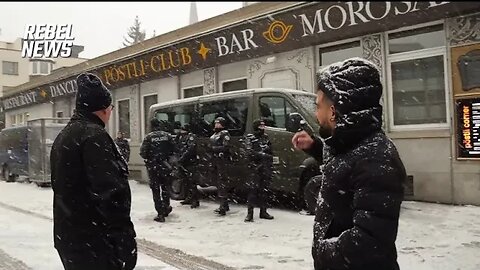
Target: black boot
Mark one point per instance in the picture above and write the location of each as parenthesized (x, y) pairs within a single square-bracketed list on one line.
[(195, 204), (249, 217), (168, 210), (159, 218), (222, 210), (264, 214), (186, 201), (227, 208)]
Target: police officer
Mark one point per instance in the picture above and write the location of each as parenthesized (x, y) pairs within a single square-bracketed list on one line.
[(123, 146), (187, 160), (260, 162), (219, 143), (157, 147), (177, 126)]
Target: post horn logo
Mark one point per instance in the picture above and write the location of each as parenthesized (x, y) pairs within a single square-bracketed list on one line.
[(43, 93), (277, 32)]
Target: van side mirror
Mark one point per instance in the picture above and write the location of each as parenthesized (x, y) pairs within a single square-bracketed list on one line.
[(294, 122)]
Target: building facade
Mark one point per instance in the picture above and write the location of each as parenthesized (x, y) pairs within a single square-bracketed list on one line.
[(428, 54), (16, 70)]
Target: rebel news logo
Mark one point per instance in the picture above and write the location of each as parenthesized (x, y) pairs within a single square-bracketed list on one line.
[(47, 40)]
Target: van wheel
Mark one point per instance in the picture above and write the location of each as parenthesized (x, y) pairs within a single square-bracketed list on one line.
[(177, 189)]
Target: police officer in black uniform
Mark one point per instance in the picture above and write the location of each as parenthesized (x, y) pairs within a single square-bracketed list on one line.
[(187, 160), (177, 126), (260, 162), (123, 146), (157, 147), (219, 143)]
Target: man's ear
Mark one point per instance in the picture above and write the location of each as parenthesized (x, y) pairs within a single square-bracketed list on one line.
[(332, 112)]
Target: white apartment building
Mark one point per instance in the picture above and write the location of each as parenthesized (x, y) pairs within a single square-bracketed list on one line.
[(15, 70)]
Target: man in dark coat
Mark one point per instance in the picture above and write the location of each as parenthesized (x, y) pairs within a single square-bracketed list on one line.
[(123, 146), (358, 208), (157, 148), (92, 198), (260, 161)]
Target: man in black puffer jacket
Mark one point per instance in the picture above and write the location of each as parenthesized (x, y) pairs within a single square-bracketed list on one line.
[(358, 208), (92, 198)]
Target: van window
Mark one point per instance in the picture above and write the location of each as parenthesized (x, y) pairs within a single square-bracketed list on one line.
[(183, 114), (274, 111), (162, 116), (234, 111), (307, 102)]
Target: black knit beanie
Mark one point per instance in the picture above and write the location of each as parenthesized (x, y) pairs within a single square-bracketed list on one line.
[(92, 94), (353, 85)]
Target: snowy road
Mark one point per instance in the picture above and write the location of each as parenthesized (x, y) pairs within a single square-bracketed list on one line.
[(26, 244), (34, 243), (431, 236)]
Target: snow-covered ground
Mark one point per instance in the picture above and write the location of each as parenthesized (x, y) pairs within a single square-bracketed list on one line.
[(431, 236), (29, 240)]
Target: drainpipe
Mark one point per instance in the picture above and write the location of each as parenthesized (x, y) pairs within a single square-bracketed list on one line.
[(139, 109)]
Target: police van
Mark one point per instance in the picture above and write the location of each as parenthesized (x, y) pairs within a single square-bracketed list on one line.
[(14, 152), (281, 109), (25, 150)]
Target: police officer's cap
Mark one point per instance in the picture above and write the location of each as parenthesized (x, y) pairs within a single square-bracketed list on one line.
[(221, 121), (186, 127), (257, 123), (154, 123)]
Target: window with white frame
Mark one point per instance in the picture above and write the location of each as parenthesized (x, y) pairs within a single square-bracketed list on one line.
[(9, 68), (234, 85), (19, 119), (124, 117), (332, 54), (13, 120), (41, 67), (193, 91), (416, 64)]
